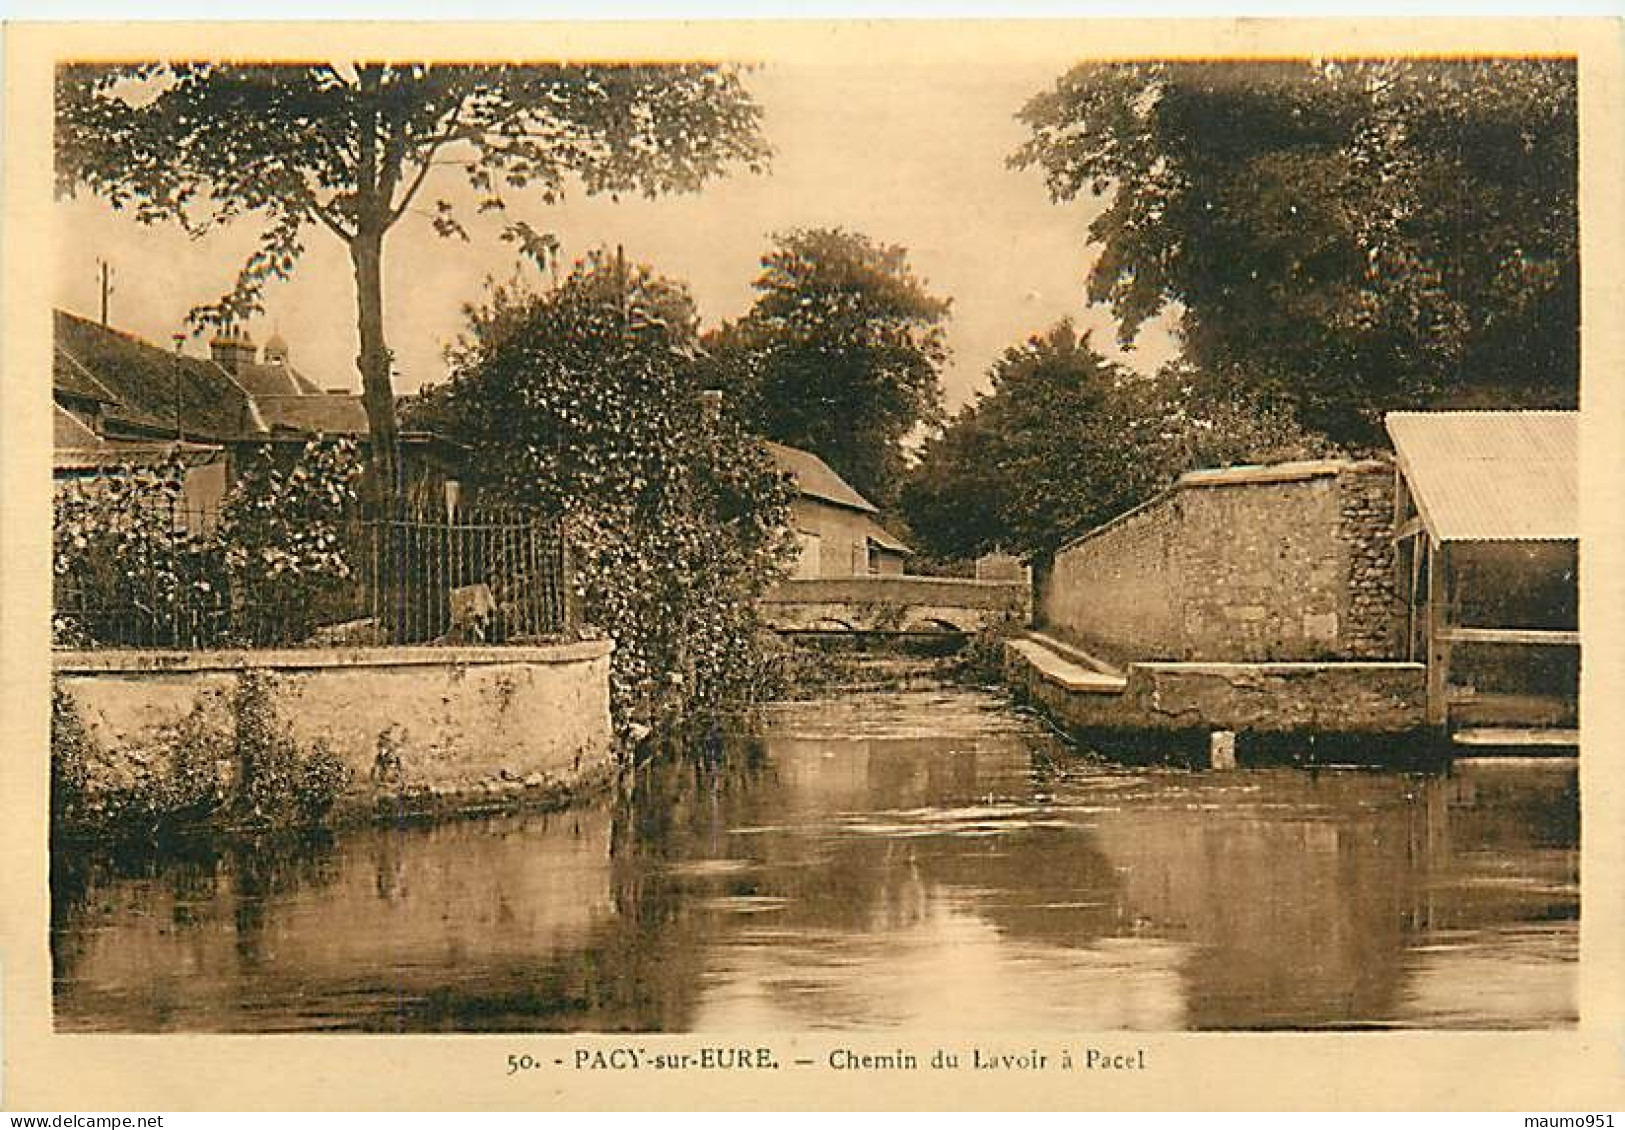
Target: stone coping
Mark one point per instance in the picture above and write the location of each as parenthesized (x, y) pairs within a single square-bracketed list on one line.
[(131, 660), (1244, 475), (884, 580), (1281, 667), (1280, 472)]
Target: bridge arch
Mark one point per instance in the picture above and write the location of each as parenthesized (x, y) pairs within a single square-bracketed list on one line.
[(831, 624), (932, 624)]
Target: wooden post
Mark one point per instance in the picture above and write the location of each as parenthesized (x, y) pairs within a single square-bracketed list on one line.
[(1407, 556), (1438, 621)]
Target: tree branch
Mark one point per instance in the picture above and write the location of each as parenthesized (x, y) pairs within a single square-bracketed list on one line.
[(323, 213)]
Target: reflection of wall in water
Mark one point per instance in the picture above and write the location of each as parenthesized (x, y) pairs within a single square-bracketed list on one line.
[(385, 913), (1310, 920)]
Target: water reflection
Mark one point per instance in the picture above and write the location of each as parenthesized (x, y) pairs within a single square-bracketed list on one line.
[(887, 860)]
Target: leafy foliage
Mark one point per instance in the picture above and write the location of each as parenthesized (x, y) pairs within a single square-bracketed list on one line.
[(584, 400), (1066, 440), (278, 782), (282, 537), (1346, 237), (133, 565), (350, 149), (121, 543), (840, 354)]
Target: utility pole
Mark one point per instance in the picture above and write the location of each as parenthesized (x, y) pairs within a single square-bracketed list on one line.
[(106, 272), (180, 340)]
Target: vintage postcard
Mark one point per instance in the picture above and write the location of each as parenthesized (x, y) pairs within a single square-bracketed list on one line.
[(814, 565)]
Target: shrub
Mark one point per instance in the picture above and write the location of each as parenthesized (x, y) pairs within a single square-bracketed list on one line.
[(127, 564), (585, 401), (277, 782), (194, 773), (282, 540), (134, 566)]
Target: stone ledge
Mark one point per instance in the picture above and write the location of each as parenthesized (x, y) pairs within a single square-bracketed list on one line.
[(321, 658), (1280, 667)]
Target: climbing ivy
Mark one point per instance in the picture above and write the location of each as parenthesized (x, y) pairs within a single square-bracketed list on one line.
[(584, 400)]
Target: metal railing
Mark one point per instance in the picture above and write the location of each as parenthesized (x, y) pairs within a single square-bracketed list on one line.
[(482, 576), (485, 576)]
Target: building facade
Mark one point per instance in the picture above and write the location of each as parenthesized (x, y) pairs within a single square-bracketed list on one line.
[(836, 527)]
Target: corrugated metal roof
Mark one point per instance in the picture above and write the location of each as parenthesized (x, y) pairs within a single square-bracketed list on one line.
[(816, 479), (1492, 476)]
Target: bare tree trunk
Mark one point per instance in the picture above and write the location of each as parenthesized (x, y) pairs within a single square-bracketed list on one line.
[(377, 391), (373, 190)]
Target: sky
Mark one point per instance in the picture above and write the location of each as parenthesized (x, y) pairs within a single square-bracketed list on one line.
[(911, 153)]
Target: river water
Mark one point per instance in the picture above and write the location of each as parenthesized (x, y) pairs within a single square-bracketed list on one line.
[(888, 860)]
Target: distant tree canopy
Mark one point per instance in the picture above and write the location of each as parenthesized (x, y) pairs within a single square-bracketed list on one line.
[(350, 149), (841, 354), (1066, 440), (584, 400), (1350, 237)]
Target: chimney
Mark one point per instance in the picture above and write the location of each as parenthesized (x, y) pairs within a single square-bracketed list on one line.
[(232, 348)]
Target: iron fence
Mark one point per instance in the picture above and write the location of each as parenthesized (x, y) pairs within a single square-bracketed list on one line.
[(494, 575), (484, 576)]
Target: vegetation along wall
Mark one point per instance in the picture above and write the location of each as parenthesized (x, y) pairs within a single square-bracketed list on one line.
[(404, 722), (1292, 561)]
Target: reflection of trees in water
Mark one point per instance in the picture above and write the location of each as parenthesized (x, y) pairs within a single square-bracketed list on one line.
[(640, 968), (1306, 900), (190, 880)]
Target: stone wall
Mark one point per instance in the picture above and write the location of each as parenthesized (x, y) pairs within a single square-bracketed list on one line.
[(1373, 616), (1119, 589), (453, 722), (1353, 697), (1287, 562)]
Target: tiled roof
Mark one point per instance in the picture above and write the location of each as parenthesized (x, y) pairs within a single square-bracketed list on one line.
[(877, 534), (69, 431), (70, 377), (328, 413), (146, 382), (77, 448), (815, 479), (1492, 476), (261, 381)]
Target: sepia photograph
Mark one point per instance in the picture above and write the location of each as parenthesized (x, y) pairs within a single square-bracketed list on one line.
[(847, 543)]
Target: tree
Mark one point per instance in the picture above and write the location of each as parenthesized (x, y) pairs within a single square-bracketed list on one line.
[(585, 400), (1350, 237), (350, 149), (1066, 440), (840, 353)]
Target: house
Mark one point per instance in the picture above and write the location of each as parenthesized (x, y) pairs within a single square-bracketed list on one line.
[(1487, 532), (835, 525), (123, 401)]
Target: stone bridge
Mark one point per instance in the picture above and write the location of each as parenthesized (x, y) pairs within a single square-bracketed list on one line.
[(895, 605)]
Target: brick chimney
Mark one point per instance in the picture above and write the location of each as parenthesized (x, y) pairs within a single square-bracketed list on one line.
[(231, 348)]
